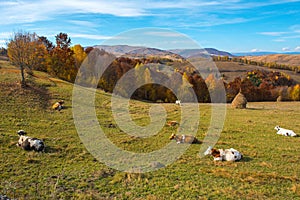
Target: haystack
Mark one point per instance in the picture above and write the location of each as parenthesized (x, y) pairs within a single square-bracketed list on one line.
[(279, 99), (239, 101)]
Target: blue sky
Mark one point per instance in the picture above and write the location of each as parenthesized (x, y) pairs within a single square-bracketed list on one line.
[(230, 25)]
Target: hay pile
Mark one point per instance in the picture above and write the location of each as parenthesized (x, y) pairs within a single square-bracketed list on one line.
[(279, 99), (239, 101)]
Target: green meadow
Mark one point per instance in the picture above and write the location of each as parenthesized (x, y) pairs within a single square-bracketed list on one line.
[(66, 170)]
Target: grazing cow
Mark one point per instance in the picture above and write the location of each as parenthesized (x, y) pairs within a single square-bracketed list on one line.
[(285, 132), (58, 105), (178, 102), (28, 143), (184, 139), (224, 155)]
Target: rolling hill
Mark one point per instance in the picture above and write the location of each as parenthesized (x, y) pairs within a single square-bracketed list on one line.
[(231, 70), (263, 53), (293, 60), (67, 170)]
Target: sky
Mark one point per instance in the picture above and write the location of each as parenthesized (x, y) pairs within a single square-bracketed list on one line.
[(228, 25)]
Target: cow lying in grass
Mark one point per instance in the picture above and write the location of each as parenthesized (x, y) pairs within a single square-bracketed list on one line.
[(172, 123), (178, 102), (28, 143), (58, 105), (224, 155), (184, 139), (285, 132)]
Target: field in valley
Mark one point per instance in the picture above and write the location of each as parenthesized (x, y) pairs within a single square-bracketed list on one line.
[(66, 170)]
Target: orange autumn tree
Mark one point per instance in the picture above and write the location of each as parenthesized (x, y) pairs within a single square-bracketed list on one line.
[(26, 51), (62, 62)]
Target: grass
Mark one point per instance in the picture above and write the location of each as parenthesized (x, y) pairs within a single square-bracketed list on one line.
[(66, 170)]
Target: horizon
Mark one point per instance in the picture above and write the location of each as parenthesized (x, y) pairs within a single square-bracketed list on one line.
[(234, 26)]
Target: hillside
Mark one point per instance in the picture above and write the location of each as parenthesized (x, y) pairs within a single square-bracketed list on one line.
[(66, 170), (293, 60), (231, 70), (263, 53)]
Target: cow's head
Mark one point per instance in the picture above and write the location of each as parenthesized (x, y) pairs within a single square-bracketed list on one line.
[(172, 136), (277, 128), (21, 132)]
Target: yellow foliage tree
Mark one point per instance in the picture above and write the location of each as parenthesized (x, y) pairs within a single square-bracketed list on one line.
[(79, 54), (295, 93)]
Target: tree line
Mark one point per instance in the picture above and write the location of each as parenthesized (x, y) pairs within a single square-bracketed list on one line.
[(30, 52), (179, 79)]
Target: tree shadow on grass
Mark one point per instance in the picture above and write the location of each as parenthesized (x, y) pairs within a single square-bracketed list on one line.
[(41, 94), (255, 108), (32, 95)]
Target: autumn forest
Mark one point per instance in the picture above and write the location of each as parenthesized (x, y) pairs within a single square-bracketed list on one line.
[(32, 52)]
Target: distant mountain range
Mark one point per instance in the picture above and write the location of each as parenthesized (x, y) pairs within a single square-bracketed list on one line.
[(191, 53), (135, 51), (120, 50)]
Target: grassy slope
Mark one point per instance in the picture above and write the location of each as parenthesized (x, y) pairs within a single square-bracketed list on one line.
[(234, 69), (66, 170), (293, 60)]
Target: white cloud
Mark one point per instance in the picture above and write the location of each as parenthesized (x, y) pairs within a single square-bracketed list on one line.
[(207, 5), (295, 27), (297, 48), (256, 50), (5, 35), (292, 36), (2, 43), (279, 40), (286, 49), (82, 23), (32, 11), (273, 33)]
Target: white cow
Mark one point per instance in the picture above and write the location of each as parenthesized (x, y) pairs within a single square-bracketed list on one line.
[(28, 143), (178, 102), (224, 155), (285, 132)]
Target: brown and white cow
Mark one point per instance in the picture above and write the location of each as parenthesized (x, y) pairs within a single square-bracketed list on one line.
[(28, 143)]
